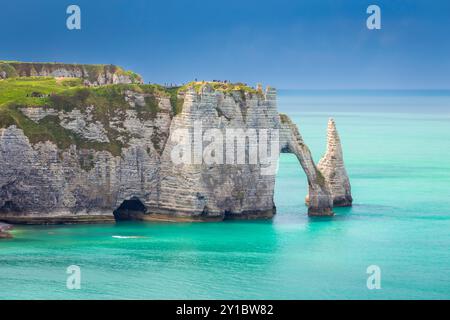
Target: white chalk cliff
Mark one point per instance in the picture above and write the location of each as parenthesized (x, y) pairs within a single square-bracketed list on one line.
[(119, 164)]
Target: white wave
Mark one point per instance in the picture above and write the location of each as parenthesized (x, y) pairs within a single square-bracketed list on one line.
[(127, 237)]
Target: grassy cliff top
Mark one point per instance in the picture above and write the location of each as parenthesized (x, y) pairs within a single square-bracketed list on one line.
[(37, 91), (226, 87), (67, 94)]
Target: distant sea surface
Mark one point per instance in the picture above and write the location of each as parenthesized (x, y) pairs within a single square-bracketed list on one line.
[(397, 152)]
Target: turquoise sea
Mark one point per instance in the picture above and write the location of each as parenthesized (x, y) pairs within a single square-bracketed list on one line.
[(397, 152)]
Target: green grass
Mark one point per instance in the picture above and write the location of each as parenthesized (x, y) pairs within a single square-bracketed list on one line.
[(20, 90), (176, 101), (222, 86), (69, 94), (284, 118)]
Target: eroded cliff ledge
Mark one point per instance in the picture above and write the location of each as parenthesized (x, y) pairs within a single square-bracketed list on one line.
[(70, 153), (91, 74)]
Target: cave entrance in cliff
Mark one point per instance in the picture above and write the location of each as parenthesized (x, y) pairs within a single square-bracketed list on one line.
[(132, 209), (8, 206)]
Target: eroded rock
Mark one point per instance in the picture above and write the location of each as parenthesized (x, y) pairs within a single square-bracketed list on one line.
[(333, 169), (320, 201), (4, 231)]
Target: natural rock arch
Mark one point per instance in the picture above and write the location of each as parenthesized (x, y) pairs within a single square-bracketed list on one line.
[(329, 184), (320, 199)]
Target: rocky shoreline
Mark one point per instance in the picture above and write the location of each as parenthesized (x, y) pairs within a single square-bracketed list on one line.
[(4, 230), (36, 219)]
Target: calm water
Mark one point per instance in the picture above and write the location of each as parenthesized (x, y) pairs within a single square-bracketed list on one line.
[(397, 151)]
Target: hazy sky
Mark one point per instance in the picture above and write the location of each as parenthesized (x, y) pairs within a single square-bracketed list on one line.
[(321, 44)]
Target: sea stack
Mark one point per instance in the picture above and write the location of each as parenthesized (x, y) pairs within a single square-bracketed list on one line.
[(333, 170)]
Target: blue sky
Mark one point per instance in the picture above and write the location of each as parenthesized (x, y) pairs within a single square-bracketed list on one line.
[(320, 44)]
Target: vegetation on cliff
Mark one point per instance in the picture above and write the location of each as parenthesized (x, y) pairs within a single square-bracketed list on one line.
[(19, 89), (226, 87), (69, 94), (91, 72)]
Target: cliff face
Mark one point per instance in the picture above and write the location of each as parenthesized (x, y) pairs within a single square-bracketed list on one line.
[(78, 162), (218, 191), (101, 155), (92, 75)]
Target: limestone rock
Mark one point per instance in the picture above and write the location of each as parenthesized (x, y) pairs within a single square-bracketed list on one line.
[(4, 231), (332, 167), (320, 201), (38, 113), (83, 124)]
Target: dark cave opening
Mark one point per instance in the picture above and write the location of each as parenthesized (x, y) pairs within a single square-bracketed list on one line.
[(8, 206), (132, 209)]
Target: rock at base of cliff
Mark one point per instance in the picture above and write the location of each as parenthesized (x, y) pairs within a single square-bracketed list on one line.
[(4, 231), (167, 215), (343, 201), (53, 218), (320, 213)]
